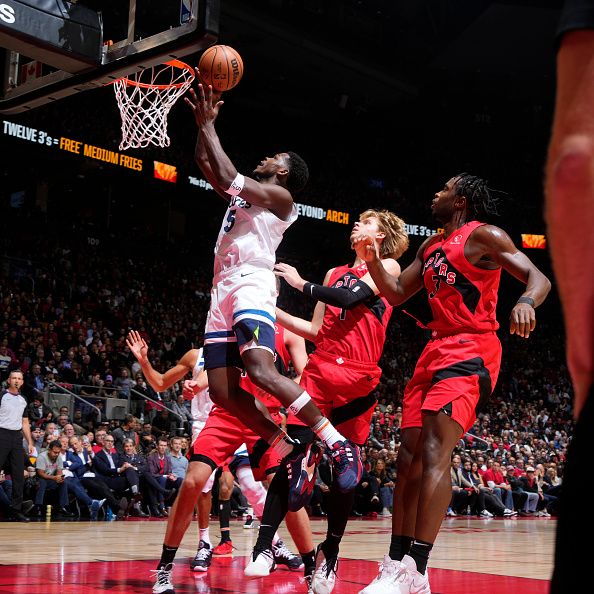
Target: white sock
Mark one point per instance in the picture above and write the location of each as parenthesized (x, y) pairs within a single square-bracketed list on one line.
[(275, 539), (205, 536), (326, 431), (282, 443)]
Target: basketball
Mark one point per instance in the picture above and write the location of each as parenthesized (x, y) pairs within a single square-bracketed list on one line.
[(220, 66)]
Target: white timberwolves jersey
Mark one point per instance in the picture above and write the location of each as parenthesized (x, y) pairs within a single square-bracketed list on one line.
[(249, 235), (201, 403)]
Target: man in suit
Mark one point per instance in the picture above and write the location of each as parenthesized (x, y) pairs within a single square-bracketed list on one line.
[(80, 464)]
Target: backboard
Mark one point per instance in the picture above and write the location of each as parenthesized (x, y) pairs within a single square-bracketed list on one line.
[(133, 35)]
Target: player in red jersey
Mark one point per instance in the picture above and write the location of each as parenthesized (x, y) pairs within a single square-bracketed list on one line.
[(348, 328), (460, 269), (215, 445)]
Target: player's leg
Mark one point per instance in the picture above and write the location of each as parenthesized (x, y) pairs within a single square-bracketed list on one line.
[(178, 522), (254, 310), (219, 438), (203, 558), (259, 363), (352, 401), (275, 508), (223, 364), (406, 493), (266, 465), (409, 473), (225, 545)]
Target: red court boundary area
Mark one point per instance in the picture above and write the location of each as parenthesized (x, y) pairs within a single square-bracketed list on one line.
[(226, 576)]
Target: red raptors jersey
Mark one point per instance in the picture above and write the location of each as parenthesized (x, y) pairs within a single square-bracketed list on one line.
[(281, 362), (463, 297), (359, 333)]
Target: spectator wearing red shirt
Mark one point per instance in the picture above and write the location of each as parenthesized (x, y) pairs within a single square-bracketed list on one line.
[(501, 488)]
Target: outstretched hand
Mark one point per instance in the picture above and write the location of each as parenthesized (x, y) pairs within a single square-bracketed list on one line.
[(290, 274), (137, 345), (205, 105), (522, 320), (366, 247)]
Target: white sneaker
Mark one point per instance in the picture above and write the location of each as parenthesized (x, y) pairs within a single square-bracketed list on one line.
[(508, 513), (385, 582), (451, 512), (486, 514), (324, 577), (163, 583), (386, 513), (260, 565), (413, 582)]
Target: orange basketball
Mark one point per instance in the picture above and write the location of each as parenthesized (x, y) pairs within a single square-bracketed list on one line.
[(220, 66)]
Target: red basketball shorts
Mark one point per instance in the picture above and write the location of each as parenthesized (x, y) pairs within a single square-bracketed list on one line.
[(341, 389), (222, 435), (455, 374)]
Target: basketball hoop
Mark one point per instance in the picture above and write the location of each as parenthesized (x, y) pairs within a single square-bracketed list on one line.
[(145, 99)]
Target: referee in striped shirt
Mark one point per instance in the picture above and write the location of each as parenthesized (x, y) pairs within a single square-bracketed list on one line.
[(14, 424)]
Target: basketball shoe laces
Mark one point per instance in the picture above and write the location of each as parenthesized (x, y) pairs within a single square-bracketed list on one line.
[(343, 457), (392, 571), (267, 552), (328, 566), (281, 550), (202, 554), (163, 575)]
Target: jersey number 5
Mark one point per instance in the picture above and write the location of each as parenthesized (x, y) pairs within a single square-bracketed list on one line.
[(230, 221)]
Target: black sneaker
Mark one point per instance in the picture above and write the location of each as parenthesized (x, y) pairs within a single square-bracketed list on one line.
[(301, 469), (64, 513), (284, 556), (203, 558)]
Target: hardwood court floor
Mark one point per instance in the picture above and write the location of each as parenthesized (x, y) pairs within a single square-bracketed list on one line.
[(471, 556)]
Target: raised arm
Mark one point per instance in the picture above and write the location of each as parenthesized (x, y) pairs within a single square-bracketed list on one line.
[(224, 175), (306, 329), (395, 288), (159, 381), (497, 246), (343, 297)]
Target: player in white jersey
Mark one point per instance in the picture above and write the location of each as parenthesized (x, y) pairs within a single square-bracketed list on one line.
[(195, 389), (240, 324)]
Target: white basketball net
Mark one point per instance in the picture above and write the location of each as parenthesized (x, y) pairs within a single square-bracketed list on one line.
[(145, 99)]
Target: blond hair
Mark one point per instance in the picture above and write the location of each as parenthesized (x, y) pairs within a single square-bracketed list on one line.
[(395, 242)]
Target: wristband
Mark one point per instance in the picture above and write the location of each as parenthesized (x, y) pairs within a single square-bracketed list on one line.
[(527, 300), (308, 288), (236, 185)]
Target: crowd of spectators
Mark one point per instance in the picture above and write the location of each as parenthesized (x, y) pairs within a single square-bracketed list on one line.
[(68, 329)]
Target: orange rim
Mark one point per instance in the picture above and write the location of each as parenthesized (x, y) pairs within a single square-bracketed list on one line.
[(174, 63)]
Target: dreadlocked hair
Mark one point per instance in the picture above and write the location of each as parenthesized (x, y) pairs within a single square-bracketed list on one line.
[(481, 199)]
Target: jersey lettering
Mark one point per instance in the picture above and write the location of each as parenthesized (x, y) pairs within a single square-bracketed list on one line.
[(239, 202)]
